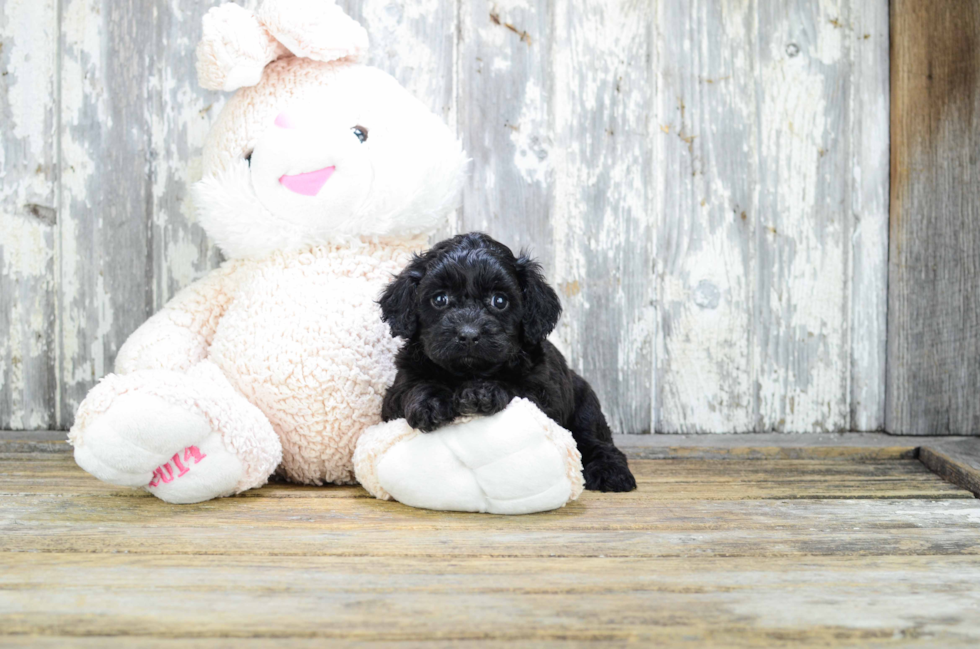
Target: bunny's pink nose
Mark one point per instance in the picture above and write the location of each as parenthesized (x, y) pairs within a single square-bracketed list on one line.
[(283, 121), (308, 184)]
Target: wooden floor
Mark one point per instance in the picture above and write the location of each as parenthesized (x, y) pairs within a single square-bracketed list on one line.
[(832, 548)]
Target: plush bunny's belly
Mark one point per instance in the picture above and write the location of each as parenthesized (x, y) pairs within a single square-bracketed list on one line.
[(304, 342)]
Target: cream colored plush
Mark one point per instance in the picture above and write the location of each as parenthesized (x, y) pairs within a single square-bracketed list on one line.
[(514, 462), (277, 361)]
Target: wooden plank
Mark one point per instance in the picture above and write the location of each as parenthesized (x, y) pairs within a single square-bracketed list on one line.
[(314, 527), (682, 479), (772, 446), (774, 639), (601, 89), (803, 227), (9, 440), (702, 125), (752, 440), (100, 642), (134, 121), (787, 452), (300, 563), (745, 600), (867, 40), (105, 273), (933, 375), (177, 115), (745, 446), (575, 173), (28, 212), (414, 43), (757, 120), (682, 508), (901, 537), (628, 442), (32, 435), (956, 461), (505, 121)]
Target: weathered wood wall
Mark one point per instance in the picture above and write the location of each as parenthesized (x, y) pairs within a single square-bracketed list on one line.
[(934, 265), (704, 180)]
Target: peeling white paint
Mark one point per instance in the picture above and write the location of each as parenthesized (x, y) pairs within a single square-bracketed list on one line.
[(103, 307), (24, 247), (81, 61), (31, 41), (28, 202), (529, 136), (183, 257), (601, 203), (678, 190), (409, 40), (802, 381), (767, 128)]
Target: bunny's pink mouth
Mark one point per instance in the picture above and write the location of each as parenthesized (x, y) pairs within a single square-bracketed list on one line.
[(309, 183)]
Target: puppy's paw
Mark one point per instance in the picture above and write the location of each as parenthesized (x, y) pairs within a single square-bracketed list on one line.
[(481, 398), (430, 414), (609, 474)]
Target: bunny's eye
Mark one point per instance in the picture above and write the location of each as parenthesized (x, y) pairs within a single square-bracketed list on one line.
[(360, 132)]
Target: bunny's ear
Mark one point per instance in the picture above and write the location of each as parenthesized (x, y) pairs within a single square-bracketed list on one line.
[(314, 29), (234, 49)]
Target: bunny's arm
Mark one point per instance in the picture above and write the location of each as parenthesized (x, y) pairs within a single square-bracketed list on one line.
[(178, 336)]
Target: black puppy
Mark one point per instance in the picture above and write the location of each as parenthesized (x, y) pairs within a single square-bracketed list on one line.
[(475, 318)]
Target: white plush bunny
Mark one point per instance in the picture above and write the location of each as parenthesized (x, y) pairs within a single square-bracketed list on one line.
[(321, 176)]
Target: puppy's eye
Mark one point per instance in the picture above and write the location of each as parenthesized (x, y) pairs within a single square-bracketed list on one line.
[(440, 300), (360, 132), (499, 301)]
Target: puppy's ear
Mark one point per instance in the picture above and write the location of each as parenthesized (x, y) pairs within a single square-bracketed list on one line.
[(399, 302), (541, 305)]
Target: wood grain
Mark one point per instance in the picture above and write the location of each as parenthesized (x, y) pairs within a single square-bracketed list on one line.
[(704, 183), (682, 508), (519, 600), (602, 86), (676, 479), (868, 40), (933, 291), (28, 213), (104, 234), (133, 123), (703, 125), (83, 566), (178, 115), (415, 43), (766, 111), (956, 461)]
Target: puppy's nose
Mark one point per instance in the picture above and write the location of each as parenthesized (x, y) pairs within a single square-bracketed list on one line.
[(468, 334)]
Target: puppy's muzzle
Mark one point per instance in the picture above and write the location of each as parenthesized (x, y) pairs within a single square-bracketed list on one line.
[(468, 334)]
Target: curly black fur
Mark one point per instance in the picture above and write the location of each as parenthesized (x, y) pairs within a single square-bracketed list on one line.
[(475, 320)]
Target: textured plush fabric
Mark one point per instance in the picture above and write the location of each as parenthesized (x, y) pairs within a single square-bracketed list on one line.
[(298, 334), (514, 462), (278, 360), (303, 341), (401, 182), (234, 49), (236, 44), (176, 410), (314, 29)]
